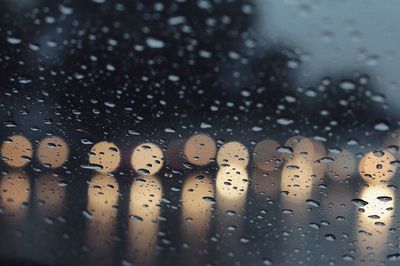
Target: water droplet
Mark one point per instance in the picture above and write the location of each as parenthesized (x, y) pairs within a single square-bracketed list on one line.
[(154, 43)]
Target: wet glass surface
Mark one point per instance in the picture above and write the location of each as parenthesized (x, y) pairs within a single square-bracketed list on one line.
[(199, 132)]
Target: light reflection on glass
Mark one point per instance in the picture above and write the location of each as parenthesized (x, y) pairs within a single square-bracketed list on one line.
[(52, 152), (200, 149), (343, 167), (300, 174), (197, 206), (373, 223), (231, 185), (101, 205), (375, 167), (231, 194), (233, 154), (266, 156), (16, 151), (301, 171), (106, 155), (14, 194), (144, 212), (301, 146), (297, 181), (50, 194), (147, 159)]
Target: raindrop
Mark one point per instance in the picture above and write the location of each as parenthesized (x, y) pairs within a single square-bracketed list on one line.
[(154, 43), (382, 126)]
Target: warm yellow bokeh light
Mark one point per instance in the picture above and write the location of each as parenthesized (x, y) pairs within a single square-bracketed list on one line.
[(380, 207), (231, 186), (343, 166), (376, 167), (52, 152), (197, 200), (374, 222), (147, 159), (297, 179), (16, 151), (233, 154), (197, 207), (266, 155), (106, 155), (50, 194), (14, 194), (144, 211), (200, 149), (103, 197), (145, 198), (301, 147), (102, 202)]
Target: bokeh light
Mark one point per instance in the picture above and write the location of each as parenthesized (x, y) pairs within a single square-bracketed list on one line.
[(233, 154), (106, 156), (147, 159), (52, 152), (17, 151), (14, 194), (144, 211), (200, 149), (376, 166)]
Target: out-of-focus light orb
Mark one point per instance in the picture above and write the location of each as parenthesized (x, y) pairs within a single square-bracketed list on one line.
[(147, 159), (52, 152), (380, 207), (343, 166), (374, 222), (266, 156), (301, 147), (197, 198), (103, 197), (16, 151), (233, 154), (376, 167), (297, 179), (144, 212), (145, 199), (102, 206), (14, 194), (106, 155), (197, 206), (50, 194), (200, 149), (232, 183)]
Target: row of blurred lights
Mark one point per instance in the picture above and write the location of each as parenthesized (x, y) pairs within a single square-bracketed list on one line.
[(304, 162), (302, 157)]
